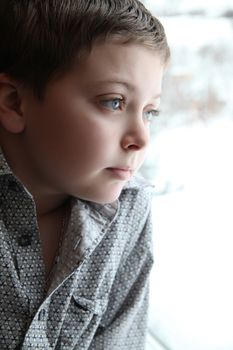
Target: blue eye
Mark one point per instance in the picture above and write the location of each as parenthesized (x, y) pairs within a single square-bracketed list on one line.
[(150, 115), (113, 104)]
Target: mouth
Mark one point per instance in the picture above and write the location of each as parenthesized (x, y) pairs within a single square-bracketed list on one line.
[(123, 173)]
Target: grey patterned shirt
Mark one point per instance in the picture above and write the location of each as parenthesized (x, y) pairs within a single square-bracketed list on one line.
[(98, 297)]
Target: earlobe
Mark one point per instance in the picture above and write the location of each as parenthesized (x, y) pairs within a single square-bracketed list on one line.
[(11, 116)]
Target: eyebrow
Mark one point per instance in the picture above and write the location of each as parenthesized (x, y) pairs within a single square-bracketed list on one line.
[(127, 85)]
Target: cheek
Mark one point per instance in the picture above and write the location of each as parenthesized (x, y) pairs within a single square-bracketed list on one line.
[(93, 143), (72, 135), (87, 141), (90, 133)]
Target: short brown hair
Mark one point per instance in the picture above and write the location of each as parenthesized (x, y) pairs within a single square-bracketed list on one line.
[(40, 39)]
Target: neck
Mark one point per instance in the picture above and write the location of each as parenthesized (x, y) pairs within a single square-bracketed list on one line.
[(47, 202)]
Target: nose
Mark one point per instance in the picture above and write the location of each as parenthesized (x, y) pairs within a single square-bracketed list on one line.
[(136, 136)]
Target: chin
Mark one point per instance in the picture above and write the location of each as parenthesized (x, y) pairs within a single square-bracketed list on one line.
[(105, 198)]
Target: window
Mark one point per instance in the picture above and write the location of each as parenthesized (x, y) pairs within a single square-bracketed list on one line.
[(190, 164)]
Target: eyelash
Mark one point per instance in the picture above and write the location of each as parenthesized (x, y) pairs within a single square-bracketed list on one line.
[(155, 112)]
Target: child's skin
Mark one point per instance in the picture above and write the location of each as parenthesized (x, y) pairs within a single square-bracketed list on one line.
[(87, 136)]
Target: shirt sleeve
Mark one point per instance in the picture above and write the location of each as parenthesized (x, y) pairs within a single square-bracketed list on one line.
[(124, 324)]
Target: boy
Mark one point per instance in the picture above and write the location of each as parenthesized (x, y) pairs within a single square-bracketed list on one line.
[(80, 82)]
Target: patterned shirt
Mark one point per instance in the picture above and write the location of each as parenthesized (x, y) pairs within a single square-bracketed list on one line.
[(98, 296)]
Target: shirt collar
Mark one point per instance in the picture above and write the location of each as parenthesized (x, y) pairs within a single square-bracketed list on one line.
[(4, 167), (138, 182)]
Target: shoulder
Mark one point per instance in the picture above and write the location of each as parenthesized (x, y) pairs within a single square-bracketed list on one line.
[(134, 215), (134, 222), (136, 195)]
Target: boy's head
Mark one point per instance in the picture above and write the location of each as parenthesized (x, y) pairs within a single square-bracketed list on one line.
[(79, 83), (43, 39)]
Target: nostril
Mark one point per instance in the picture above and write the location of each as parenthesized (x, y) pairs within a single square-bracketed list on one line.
[(133, 147)]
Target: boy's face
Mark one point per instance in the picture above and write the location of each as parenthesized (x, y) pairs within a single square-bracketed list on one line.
[(89, 134)]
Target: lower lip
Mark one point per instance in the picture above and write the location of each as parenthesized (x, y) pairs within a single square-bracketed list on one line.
[(120, 173)]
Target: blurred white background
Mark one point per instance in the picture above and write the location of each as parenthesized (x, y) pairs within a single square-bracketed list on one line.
[(190, 163)]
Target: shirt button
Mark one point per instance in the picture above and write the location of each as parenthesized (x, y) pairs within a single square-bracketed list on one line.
[(13, 186), (25, 240), (19, 347), (42, 315)]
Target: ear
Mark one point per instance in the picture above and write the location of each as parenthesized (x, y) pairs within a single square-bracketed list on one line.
[(11, 116)]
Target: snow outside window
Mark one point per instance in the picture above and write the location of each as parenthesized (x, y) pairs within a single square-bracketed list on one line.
[(190, 162)]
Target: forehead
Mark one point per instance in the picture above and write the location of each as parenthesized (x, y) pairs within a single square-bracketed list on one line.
[(112, 66), (115, 55), (114, 62)]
